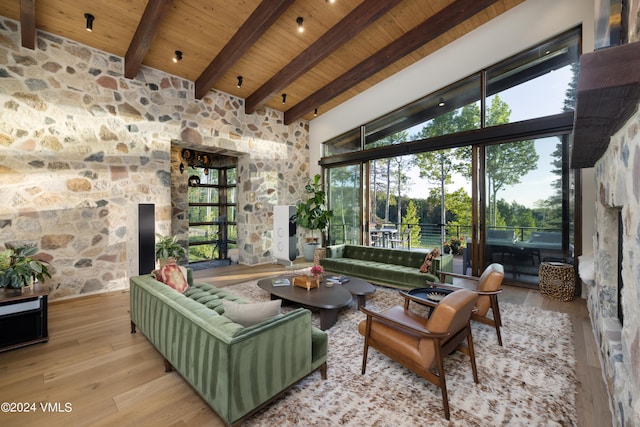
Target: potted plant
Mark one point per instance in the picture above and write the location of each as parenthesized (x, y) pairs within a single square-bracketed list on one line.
[(18, 268), (313, 215), (168, 249)]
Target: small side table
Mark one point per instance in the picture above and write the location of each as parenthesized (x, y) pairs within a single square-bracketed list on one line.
[(23, 317), (557, 280)]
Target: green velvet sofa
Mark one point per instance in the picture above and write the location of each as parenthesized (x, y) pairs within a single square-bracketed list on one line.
[(236, 370), (389, 267)]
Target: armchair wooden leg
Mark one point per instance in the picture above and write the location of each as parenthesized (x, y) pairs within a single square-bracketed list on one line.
[(133, 327), (442, 383), (496, 317), (472, 356), (366, 345)]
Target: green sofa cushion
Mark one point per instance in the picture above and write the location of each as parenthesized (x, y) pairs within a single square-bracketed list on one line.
[(252, 313)]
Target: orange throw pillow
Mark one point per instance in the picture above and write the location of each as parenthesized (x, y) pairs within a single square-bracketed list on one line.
[(173, 276), (426, 266)]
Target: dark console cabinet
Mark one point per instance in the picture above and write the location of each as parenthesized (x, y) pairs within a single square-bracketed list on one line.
[(23, 317)]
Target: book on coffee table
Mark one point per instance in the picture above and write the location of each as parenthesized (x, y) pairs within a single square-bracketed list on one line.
[(281, 282), (339, 280)]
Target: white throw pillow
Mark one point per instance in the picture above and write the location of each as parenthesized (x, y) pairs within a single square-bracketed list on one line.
[(250, 314)]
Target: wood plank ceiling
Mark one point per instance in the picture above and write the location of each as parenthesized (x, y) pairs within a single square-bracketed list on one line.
[(347, 46)]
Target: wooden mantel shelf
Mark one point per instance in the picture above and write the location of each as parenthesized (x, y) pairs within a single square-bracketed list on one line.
[(608, 94)]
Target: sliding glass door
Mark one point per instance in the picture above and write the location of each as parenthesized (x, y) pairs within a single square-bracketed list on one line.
[(527, 217)]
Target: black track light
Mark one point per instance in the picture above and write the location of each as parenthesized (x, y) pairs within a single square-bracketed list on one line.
[(240, 79), (284, 98), (299, 21), (90, 18), (178, 56)]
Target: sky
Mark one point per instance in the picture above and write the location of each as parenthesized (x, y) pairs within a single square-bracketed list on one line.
[(540, 97)]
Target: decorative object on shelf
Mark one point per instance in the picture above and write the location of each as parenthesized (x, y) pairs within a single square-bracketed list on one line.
[(454, 245), (168, 249), (18, 268), (317, 271), (312, 214), (427, 265), (307, 282)]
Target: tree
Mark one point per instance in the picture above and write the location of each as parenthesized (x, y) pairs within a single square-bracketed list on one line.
[(438, 166), (458, 204), (386, 172), (400, 179), (344, 201), (412, 219), (505, 163)]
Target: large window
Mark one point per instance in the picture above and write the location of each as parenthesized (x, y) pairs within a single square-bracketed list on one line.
[(529, 85), (472, 162), (344, 196), (212, 213)]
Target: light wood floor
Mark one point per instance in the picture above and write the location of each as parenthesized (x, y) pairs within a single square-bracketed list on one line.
[(111, 377)]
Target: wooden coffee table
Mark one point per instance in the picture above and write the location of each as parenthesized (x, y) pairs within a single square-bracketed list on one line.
[(357, 287), (327, 300)]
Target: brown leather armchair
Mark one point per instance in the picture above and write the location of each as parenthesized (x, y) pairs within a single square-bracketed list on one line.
[(418, 343), (487, 286)]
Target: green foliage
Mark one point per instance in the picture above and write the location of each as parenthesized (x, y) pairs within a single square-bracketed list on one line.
[(411, 218), (17, 267), (458, 204), (168, 247), (456, 244), (312, 213)]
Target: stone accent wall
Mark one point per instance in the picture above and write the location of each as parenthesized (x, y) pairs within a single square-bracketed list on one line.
[(618, 191), (81, 146)]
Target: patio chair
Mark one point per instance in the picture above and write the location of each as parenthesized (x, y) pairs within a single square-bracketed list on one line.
[(420, 344), (402, 240)]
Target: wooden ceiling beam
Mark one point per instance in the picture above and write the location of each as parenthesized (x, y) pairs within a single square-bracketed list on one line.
[(265, 15), (358, 20), (438, 24), (153, 14), (28, 23)]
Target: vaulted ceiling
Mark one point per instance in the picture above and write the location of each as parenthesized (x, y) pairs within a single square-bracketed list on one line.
[(347, 46)]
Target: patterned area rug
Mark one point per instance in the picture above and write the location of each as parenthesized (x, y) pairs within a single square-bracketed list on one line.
[(530, 381)]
